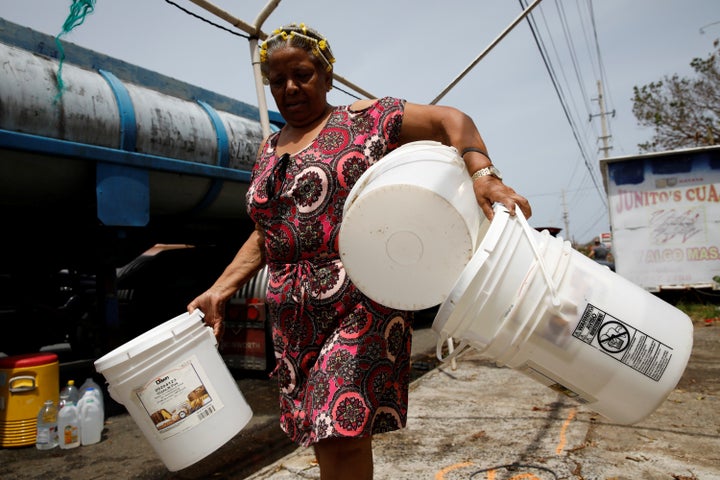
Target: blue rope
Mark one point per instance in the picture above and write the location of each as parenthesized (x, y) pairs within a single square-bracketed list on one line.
[(78, 11)]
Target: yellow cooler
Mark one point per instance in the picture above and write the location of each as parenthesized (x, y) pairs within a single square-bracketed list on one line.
[(26, 382)]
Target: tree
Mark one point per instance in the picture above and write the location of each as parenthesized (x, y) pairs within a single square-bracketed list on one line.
[(685, 112)]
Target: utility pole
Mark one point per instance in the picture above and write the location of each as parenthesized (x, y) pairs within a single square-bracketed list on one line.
[(566, 219), (603, 122)]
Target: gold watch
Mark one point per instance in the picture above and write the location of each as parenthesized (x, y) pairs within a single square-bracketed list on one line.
[(490, 170)]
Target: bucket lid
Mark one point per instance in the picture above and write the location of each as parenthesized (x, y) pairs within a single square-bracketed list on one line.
[(398, 157), (28, 360), (405, 235), (398, 261), (177, 327)]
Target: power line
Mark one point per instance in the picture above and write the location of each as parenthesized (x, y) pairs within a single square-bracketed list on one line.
[(573, 55), (199, 17), (702, 29), (563, 102), (593, 226), (601, 65), (588, 130), (555, 193), (560, 66)]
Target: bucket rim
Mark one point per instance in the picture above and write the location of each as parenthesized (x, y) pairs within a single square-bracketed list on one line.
[(138, 368), (397, 158), (448, 307), (180, 325)]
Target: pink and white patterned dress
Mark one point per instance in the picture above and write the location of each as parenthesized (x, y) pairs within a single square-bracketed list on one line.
[(343, 361)]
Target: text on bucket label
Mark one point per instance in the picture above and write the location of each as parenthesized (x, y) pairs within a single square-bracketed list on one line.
[(624, 343), (179, 399)]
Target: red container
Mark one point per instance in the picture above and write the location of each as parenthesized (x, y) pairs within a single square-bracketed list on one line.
[(244, 345)]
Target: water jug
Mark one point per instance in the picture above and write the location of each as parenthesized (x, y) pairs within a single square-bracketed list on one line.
[(68, 426), (91, 418)]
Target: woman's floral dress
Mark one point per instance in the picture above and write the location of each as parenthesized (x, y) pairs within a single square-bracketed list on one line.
[(343, 361)]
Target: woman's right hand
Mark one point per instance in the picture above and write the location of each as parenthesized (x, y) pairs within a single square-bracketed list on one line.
[(246, 263), (212, 304)]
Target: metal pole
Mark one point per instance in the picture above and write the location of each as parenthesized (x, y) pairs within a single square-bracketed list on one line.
[(256, 32), (217, 11), (486, 51), (255, 58), (603, 122), (259, 88), (348, 83)]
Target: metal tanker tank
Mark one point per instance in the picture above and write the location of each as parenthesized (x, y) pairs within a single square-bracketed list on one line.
[(135, 152), (93, 180)]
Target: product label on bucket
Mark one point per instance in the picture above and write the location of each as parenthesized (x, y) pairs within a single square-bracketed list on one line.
[(627, 344), (179, 399)]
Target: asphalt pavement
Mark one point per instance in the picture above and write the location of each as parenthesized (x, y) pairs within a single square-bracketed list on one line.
[(477, 421), (484, 422)]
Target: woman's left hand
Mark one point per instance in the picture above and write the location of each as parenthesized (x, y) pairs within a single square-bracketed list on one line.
[(489, 190)]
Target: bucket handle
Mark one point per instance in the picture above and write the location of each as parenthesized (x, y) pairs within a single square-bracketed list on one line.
[(22, 388), (529, 234), (114, 395), (452, 351)]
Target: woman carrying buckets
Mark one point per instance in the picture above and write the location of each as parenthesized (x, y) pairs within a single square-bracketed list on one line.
[(342, 359)]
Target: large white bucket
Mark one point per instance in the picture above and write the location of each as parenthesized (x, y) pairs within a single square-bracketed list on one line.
[(177, 389), (530, 301), (410, 226)]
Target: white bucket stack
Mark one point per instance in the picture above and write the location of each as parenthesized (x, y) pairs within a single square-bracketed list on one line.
[(177, 389), (410, 226), (530, 301)]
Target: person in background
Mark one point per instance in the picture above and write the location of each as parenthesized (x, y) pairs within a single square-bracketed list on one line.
[(600, 253), (343, 361)]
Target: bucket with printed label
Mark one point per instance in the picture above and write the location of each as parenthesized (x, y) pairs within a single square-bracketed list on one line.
[(530, 301), (176, 387)]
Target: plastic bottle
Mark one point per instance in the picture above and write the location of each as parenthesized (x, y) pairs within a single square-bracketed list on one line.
[(90, 383), (64, 399), (91, 418), (71, 390), (68, 426), (47, 437)]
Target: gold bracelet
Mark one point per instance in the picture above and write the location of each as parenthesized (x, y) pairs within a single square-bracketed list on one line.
[(485, 171)]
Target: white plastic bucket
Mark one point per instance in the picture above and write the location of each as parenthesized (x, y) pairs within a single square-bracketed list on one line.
[(177, 389), (530, 301), (410, 225)]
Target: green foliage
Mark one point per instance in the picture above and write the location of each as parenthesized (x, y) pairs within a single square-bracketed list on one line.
[(699, 312), (684, 112)]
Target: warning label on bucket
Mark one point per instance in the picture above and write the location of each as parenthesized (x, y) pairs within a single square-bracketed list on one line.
[(179, 398), (621, 341)]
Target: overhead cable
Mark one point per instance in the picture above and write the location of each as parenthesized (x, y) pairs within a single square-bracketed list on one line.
[(563, 103), (199, 17)]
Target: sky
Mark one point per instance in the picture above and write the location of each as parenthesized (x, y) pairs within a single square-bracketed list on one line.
[(414, 49)]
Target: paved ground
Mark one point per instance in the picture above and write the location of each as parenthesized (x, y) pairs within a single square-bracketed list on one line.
[(468, 423), (464, 424)]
